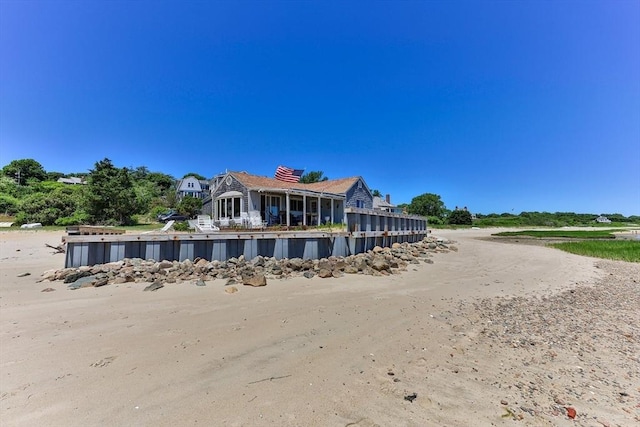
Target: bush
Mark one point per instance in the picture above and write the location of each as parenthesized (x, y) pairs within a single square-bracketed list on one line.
[(462, 217), (434, 220), (181, 226)]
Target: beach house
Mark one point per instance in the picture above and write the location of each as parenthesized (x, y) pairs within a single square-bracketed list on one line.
[(238, 196)]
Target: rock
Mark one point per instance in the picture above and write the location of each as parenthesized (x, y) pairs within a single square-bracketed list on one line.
[(309, 274), (200, 282), (380, 264), (255, 280), (72, 277), (47, 290), (377, 249), (411, 397), (164, 264), (324, 273), (349, 269), (24, 274), (396, 245), (154, 286), (231, 290)]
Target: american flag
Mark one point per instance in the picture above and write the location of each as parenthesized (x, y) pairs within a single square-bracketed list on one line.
[(286, 174)]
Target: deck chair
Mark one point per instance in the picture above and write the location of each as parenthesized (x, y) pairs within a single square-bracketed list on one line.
[(224, 222), (168, 226), (255, 220), (205, 224)]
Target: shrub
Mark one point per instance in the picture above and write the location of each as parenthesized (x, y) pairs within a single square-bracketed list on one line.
[(181, 226), (459, 216)]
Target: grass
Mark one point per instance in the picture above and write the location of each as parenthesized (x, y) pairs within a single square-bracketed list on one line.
[(571, 234), (622, 250)]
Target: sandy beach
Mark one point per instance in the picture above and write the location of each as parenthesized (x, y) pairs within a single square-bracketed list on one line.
[(497, 333)]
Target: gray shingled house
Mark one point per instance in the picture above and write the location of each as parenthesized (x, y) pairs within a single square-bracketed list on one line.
[(236, 196)]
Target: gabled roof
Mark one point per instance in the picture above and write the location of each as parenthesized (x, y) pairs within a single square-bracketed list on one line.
[(334, 186)]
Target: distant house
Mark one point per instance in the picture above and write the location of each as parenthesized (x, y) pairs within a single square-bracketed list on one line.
[(73, 180), (236, 195), (192, 186), (385, 204), (603, 219)]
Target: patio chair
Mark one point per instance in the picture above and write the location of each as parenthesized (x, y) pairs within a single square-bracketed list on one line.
[(224, 222), (255, 220), (165, 229)]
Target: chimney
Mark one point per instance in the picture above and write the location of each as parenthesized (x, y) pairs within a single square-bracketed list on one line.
[(387, 198)]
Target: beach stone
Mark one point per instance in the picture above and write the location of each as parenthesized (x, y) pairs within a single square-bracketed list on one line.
[(377, 249), (380, 264), (349, 269), (72, 277), (47, 290), (255, 280), (231, 289), (309, 274), (396, 245), (200, 282), (324, 273), (154, 287)]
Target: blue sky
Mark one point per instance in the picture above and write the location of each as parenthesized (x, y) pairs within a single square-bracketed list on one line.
[(501, 106)]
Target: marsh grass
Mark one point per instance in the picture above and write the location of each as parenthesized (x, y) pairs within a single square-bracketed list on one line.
[(571, 234), (622, 250)]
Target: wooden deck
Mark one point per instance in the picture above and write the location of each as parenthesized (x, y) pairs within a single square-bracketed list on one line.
[(88, 230)]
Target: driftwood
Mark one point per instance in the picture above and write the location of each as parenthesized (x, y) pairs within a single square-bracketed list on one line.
[(58, 249)]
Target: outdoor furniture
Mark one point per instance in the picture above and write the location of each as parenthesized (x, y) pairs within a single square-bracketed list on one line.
[(224, 222), (255, 220), (205, 224), (164, 229)]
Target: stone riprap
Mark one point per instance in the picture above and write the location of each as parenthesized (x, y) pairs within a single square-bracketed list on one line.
[(377, 262)]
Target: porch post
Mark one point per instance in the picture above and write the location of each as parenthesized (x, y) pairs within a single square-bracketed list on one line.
[(287, 210), (319, 210), (332, 210), (304, 209)]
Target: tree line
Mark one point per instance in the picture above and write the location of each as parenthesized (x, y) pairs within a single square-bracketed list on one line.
[(121, 196)]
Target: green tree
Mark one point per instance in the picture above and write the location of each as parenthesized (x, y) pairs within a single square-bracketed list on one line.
[(110, 196), (48, 207), (376, 193), (190, 206), (427, 204), (25, 169), (460, 216), (313, 176), (196, 175)]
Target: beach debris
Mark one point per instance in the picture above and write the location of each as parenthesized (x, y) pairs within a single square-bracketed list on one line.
[(58, 249), (231, 289), (154, 286), (104, 362), (270, 379), (24, 274), (411, 397), (571, 412), (47, 290)]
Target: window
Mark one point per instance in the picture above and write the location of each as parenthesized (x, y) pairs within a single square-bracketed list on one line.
[(359, 203), (229, 207), (295, 205)]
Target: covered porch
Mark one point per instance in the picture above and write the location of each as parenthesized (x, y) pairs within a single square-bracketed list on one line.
[(284, 207)]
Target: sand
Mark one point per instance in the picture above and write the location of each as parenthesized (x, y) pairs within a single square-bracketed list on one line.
[(498, 333)]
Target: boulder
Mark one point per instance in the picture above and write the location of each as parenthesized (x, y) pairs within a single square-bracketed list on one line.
[(255, 280)]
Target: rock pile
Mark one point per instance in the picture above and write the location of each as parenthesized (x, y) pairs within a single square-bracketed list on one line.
[(376, 262)]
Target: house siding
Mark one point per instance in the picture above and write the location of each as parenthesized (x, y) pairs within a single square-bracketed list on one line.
[(362, 194), (235, 185)]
